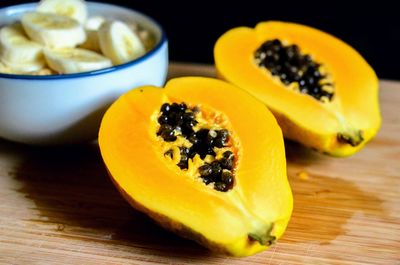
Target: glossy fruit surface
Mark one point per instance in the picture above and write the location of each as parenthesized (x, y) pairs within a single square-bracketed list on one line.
[(322, 92), (177, 176)]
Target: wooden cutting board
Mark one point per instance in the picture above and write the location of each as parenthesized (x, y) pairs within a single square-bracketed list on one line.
[(58, 206)]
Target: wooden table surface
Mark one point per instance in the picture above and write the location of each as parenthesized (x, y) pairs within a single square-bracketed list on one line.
[(58, 206)]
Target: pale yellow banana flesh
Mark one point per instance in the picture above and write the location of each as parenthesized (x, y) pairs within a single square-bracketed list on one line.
[(46, 40), (52, 30), (92, 41), (19, 53), (75, 9), (67, 61), (94, 23), (119, 43)]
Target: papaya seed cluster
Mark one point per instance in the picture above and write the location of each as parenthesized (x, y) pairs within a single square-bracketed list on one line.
[(290, 65), (178, 120)]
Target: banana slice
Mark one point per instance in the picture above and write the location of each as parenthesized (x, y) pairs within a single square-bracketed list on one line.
[(4, 69), (75, 9), (92, 41), (147, 39), (119, 43), (17, 51), (94, 23), (44, 71), (24, 68), (133, 26), (67, 61), (52, 30)]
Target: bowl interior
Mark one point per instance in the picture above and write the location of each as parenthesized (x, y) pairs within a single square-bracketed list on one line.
[(125, 14), (12, 14)]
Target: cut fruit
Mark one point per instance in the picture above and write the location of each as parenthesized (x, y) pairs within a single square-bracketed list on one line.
[(18, 52), (53, 30), (68, 61), (193, 161), (75, 9), (119, 43), (322, 92)]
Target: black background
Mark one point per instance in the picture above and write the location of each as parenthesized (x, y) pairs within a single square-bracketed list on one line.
[(372, 27)]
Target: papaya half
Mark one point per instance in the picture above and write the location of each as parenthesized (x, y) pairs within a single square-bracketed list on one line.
[(202, 158), (322, 92)]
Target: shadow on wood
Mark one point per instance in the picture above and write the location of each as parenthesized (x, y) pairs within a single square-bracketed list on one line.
[(70, 188), (74, 197), (323, 204)]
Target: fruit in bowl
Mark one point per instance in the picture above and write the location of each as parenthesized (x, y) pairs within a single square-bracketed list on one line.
[(55, 85), (49, 37)]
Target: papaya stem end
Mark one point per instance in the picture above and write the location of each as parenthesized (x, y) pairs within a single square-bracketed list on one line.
[(265, 238), (354, 139)]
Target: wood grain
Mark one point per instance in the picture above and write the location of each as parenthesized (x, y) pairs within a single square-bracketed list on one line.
[(59, 207)]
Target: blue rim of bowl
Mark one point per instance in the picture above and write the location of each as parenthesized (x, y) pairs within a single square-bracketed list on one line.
[(163, 40)]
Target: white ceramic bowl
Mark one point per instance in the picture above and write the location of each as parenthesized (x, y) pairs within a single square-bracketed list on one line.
[(62, 109)]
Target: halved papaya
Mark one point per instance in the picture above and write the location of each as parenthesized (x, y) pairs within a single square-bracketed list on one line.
[(203, 159), (322, 92)]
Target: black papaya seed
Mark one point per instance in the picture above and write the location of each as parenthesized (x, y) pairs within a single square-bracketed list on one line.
[(165, 107), (163, 119), (205, 170), (220, 186), (178, 120), (227, 178), (290, 65)]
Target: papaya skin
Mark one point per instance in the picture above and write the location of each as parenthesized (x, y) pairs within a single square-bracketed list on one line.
[(240, 222), (338, 128)]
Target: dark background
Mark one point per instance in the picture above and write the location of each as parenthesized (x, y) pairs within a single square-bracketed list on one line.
[(372, 27)]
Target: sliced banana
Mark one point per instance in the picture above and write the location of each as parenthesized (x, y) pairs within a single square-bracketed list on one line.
[(119, 43), (44, 71), (133, 26), (92, 41), (52, 30), (4, 69), (75, 9), (67, 61), (24, 68), (17, 51), (94, 23), (147, 39)]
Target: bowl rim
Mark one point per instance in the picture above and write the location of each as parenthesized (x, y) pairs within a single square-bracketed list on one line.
[(163, 40)]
